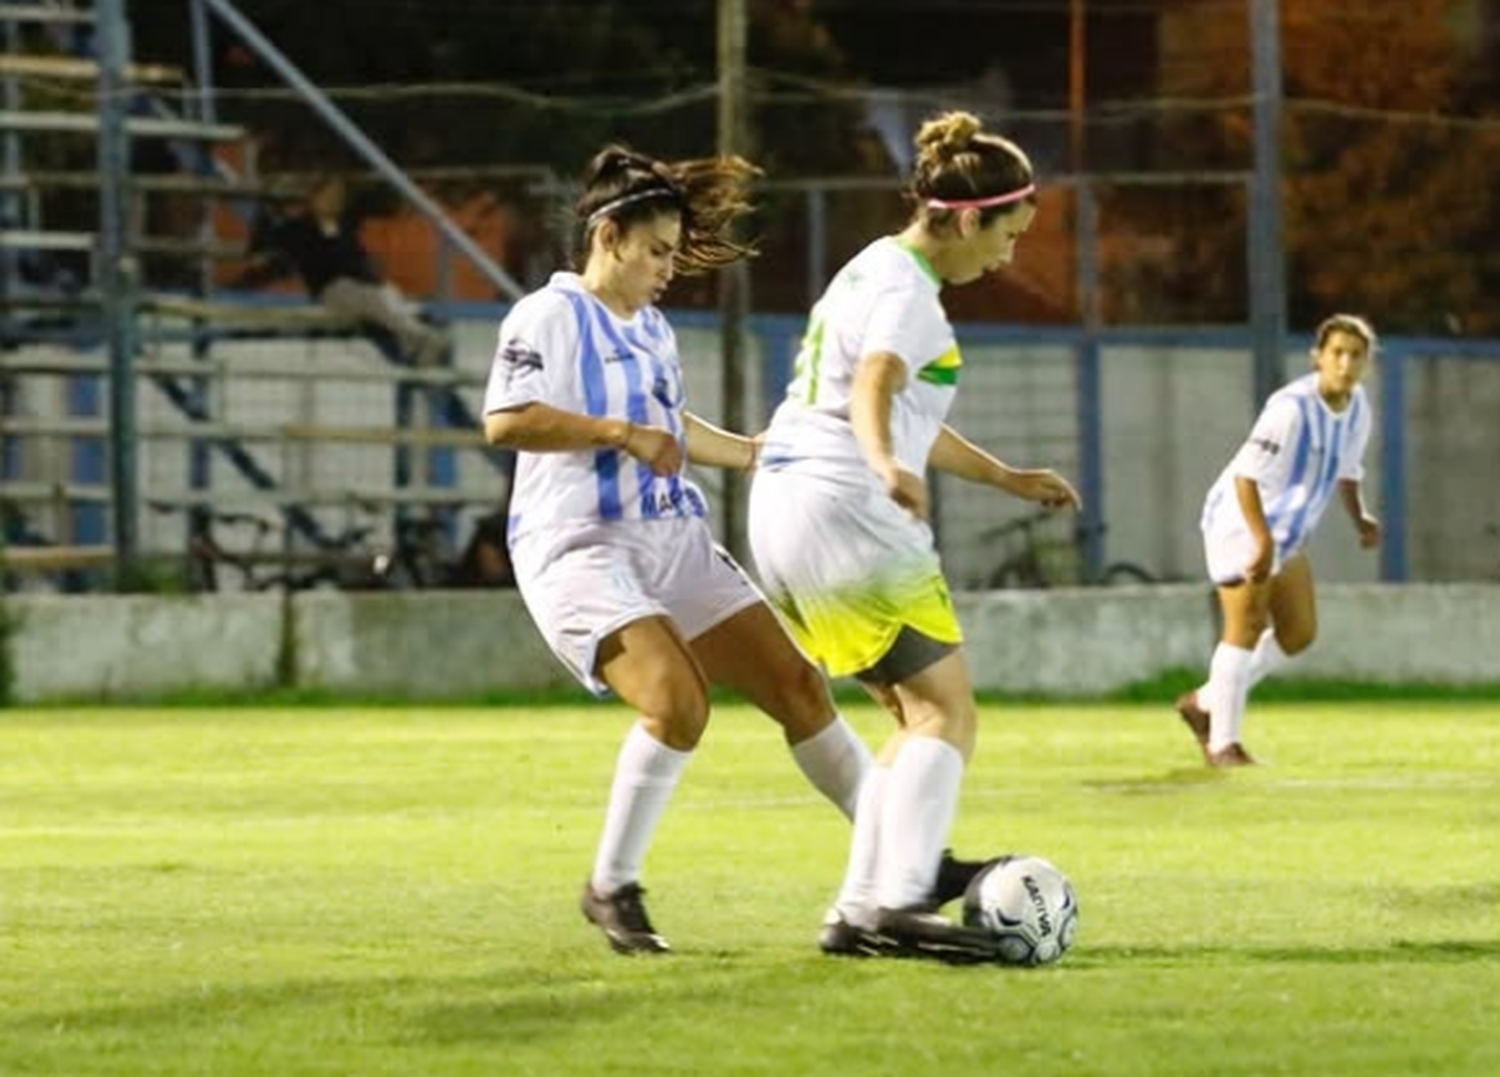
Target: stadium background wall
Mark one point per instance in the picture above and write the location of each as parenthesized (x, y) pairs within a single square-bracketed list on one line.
[(454, 645)]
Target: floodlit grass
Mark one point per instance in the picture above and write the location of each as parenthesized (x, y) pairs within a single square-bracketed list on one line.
[(392, 892)]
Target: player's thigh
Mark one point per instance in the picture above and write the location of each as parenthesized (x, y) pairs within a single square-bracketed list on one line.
[(939, 701), (751, 654), (1247, 612), (651, 668), (1293, 603)]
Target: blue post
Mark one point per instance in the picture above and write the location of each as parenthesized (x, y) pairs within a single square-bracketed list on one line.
[(117, 274), (1393, 510), (1091, 456), (1090, 392), (1267, 259)]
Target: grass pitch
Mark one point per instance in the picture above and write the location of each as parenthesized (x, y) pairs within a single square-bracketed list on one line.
[(393, 892)]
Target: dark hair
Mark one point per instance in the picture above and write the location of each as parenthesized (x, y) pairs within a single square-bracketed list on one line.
[(1352, 324), (957, 160), (709, 194)]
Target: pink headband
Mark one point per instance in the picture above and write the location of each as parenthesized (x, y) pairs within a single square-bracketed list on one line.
[(982, 203)]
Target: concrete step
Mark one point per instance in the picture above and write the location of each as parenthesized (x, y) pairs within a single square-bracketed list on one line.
[(191, 247), (174, 183), (45, 13), (87, 123), (76, 69)]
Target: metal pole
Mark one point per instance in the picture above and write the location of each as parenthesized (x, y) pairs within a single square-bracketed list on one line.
[(200, 460), (118, 272), (1267, 259), (734, 282), (817, 243), (1394, 564), (1077, 82), (1090, 387)]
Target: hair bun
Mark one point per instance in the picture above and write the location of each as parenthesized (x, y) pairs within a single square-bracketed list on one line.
[(948, 135)]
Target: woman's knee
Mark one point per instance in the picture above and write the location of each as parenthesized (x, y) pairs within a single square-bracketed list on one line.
[(805, 707), (676, 714), (1295, 639), (957, 724)]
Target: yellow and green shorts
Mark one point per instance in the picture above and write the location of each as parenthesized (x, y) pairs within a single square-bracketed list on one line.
[(847, 567)]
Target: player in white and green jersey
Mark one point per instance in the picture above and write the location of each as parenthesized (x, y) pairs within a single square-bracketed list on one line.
[(838, 520)]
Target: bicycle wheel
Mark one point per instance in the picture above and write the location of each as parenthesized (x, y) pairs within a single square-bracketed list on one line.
[(1123, 573), (1021, 573)]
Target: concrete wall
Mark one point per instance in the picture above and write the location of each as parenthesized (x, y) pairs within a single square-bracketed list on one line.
[(119, 646), (436, 644)]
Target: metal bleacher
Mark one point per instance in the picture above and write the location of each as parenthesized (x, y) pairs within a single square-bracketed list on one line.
[(55, 307)]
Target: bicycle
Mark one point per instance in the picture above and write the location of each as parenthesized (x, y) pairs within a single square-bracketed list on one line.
[(422, 555), (343, 561), (1036, 560)]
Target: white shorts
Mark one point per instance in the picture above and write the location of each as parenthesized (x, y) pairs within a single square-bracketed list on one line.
[(1228, 550), (581, 584)]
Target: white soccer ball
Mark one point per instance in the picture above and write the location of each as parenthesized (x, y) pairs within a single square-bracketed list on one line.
[(1028, 905)]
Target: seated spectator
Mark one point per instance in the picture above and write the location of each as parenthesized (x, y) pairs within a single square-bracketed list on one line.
[(316, 238)]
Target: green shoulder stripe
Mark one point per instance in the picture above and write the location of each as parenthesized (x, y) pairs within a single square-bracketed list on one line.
[(944, 369), (937, 375)]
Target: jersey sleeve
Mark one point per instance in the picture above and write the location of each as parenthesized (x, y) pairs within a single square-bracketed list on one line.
[(1266, 454), (903, 322), (535, 357)]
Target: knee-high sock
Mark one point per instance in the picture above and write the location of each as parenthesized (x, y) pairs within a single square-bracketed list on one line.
[(1267, 657), (856, 901), (646, 774), (836, 761), (916, 814), (1228, 688)]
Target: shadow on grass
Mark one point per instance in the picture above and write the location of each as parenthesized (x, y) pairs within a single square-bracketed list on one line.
[(1176, 780), (515, 1005), (1399, 952)]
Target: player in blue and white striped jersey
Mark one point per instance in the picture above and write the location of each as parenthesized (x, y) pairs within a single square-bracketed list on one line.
[(609, 538), (1306, 448)]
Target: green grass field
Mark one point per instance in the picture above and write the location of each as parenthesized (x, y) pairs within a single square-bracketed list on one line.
[(384, 891)]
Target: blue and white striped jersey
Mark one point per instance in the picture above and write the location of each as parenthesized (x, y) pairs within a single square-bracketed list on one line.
[(1297, 452), (560, 346)]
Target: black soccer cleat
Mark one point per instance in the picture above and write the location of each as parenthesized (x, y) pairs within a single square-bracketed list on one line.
[(954, 877), (622, 917), (919, 932), (839, 938)]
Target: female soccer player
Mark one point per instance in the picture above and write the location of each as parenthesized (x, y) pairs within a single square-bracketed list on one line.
[(1308, 443), (838, 520), (611, 549)]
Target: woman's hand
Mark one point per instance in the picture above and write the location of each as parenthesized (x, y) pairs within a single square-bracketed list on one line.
[(1259, 568), (906, 488), (1048, 487), (658, 449)]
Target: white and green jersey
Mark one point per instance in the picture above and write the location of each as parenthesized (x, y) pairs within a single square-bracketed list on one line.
[(884, 300), (847, 566)]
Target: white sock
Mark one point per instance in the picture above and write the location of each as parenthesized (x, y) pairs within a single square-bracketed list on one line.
[(1228, 687), (916, 814), (836, 761), (1267, 658), (856, 899), (646, 775)]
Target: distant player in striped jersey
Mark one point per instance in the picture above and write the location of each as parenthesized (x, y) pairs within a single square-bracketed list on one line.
[(839, 528), (1307, 447), (612, 551)]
